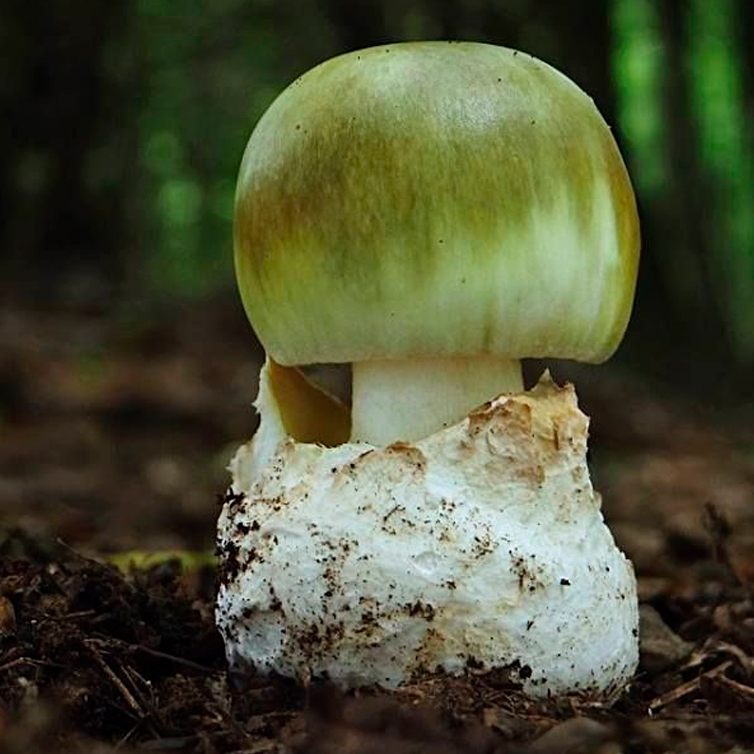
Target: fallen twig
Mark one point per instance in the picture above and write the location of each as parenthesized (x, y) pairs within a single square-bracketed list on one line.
[(686, 688), (124, 692), (173, 658), (744, 660), (739, 688), (18, 661)]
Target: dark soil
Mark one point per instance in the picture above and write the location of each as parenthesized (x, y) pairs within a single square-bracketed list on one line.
[(113, 437)]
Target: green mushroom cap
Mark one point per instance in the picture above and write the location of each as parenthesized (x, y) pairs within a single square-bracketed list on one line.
[(435, 199)]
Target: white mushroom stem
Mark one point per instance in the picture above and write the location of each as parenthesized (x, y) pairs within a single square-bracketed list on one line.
[(407, 400)]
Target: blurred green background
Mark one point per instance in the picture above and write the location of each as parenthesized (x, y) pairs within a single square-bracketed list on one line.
[(126, 122)]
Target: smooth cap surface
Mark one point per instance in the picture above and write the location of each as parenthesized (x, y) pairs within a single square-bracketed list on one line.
[(435, 199)]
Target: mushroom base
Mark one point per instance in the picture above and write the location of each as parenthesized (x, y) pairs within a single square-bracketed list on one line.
[(480, 547)]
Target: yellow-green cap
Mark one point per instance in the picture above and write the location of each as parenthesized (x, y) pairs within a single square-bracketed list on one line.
[(435, 199)]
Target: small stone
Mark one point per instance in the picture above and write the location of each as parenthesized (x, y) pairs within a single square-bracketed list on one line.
[(579, 734), (659, 646), (7, 616), (503, 723)]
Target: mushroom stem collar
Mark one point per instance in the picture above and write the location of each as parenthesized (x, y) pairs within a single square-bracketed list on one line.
[(409, 399)]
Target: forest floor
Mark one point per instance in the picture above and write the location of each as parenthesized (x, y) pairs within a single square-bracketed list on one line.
[(114, 434)]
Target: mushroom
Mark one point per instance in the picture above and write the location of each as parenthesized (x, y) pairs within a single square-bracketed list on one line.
[(430, 213)]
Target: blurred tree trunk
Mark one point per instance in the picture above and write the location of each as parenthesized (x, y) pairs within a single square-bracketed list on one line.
[(745, 15), (583, 45), (359, 24), (65, 182), (688, 223)]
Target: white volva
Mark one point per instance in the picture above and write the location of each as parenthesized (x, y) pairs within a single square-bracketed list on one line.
[(479, 547)]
